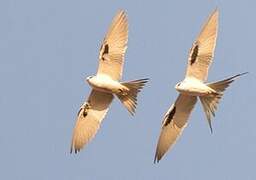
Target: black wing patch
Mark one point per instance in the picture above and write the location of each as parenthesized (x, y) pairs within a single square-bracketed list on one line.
[(169, 116), (84, 109), (194, 54), (105, 51)]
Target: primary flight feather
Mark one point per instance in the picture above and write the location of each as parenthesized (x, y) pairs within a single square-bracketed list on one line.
[(193, 86), (105, 84)]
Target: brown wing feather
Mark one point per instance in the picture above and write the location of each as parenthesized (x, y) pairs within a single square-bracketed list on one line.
[(89, 118), (113, 48), (202, 51)]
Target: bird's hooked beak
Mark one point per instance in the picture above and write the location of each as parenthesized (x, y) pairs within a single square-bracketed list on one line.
[(88, 78), (177, 86)]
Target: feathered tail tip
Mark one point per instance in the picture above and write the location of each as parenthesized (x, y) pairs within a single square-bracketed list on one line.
[(210, 103), (129, 100), (220, 86)]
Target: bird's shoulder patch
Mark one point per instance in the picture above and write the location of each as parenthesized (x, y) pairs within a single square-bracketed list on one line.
[(169, 116), (194, 53)]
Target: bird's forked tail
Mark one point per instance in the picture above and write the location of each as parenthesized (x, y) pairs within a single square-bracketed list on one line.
[(129, 99), (211, 101)]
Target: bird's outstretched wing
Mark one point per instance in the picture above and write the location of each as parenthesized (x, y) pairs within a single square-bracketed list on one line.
[(202, 51), (113, 48), (89, 118), (175, 120)]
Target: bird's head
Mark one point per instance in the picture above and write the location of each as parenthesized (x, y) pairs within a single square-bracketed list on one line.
[(88, 78), (179, 86)]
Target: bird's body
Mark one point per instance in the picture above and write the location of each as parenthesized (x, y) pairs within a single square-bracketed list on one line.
[(194, 87), (106, 84)]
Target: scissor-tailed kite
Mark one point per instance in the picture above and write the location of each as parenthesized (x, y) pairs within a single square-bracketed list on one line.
[(105, 84), (193, 86)]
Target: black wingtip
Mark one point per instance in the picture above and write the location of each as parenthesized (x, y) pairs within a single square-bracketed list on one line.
[(146, 79), (75, 150), (71, 148), (238, 75), (156, 160), (211, 130), (210, 125), (158, 157), (241, 74), (143, 80), (132, 112)]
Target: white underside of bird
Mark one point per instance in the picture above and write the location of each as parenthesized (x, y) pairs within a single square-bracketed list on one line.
[(106, 84), (193, 87)]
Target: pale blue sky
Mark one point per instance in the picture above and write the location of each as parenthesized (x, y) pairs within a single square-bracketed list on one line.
[(48, 47)]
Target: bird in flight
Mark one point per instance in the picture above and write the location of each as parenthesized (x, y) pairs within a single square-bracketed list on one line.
[(193, 86), (105, 84)]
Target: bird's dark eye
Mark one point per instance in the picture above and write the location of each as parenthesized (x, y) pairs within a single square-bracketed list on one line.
[(178, 84)]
